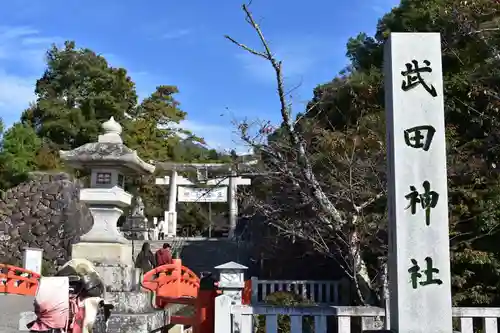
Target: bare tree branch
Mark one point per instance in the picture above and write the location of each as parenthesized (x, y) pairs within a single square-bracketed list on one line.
[(288, 124)]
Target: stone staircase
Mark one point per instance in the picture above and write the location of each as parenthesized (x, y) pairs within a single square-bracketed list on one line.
[(203, 254), (176, 244)]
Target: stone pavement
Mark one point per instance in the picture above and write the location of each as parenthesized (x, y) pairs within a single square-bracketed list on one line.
[(10, 308)]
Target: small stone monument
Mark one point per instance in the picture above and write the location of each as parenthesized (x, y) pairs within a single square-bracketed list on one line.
[(419, 254), (136, 225), (109, 161), (138, 207)]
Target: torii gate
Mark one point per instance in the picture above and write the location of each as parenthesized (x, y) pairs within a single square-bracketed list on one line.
[(175, 180)]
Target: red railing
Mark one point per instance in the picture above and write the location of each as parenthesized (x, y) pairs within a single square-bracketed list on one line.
[(176, 284), (17, 280), (172, 281)]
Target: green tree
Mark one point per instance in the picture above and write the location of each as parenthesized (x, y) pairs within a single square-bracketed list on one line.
[(153, 128), (20, 145), (77, 92)]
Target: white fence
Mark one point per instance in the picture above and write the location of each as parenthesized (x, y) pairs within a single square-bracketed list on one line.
[(319, 292), (230, 318)]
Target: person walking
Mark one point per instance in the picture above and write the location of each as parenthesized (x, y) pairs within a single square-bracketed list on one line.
[(145, 260), (161, 230), (164, 255)]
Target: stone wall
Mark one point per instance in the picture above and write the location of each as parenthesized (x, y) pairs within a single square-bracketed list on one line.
[(44, 212)]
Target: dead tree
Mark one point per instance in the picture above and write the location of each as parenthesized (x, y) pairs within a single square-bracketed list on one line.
[(319, 183)]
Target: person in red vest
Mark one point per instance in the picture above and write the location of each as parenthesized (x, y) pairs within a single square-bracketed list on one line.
[(164, 255)]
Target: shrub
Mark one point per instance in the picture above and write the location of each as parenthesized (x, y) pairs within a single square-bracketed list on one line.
[(48, 268), (285, 299)]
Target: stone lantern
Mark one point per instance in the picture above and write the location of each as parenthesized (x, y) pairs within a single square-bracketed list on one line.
[(109, 161), (232, 280)]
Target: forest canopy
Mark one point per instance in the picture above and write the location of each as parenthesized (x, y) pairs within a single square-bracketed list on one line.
[(77, 92)]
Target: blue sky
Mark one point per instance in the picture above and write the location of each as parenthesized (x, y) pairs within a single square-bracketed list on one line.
[(181, 43)]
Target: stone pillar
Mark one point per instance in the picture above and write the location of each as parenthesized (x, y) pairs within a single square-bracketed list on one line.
[(419, 255), (171, 223), (172, 192), (232, 182), (233, 203), (171, 214)]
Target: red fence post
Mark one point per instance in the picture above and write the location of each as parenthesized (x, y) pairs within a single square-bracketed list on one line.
[(247, 293), (205, 306), (205, 311), (177, 274)]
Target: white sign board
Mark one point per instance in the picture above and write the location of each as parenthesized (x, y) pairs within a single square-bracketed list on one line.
[(32, 259), (196, 194), (419, 255)]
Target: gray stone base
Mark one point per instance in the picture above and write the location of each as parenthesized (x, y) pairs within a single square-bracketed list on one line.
[(138, 323), (119, 277), (104, 253), (130, 301)]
